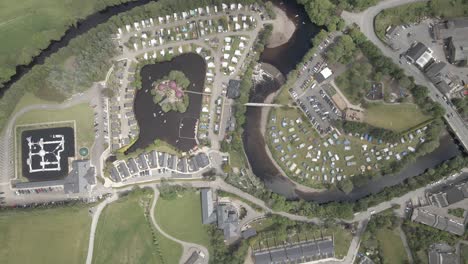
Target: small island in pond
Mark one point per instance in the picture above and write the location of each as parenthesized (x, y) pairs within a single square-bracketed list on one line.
[(169, 92)]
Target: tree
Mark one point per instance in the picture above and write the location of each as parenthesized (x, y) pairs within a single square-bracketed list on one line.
[(346, 185), (107, 92), (343, 52)]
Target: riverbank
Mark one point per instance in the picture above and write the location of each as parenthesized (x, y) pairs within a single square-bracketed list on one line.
[(283, 29), (265, 113)]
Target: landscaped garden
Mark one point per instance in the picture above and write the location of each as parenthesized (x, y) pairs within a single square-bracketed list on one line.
[(170, 92)]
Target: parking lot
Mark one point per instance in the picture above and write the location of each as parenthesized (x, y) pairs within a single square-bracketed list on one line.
[(311, 93)]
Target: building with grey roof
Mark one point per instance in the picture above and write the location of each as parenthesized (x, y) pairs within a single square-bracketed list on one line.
[(296, 253), (233, 89), (442, 254), (114, 174), (450, 195), (152, 159), (415, 52), (208, 213), (162, 157), (248, 233), (194, 258), (458, 51), (455, 32), (225, 216), (430, 216), (132, 166), (142, 165), (182, 165), (202, 160), (192, 164), (123, 170), (80, 179)]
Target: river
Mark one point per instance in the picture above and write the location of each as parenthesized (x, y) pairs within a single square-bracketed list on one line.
[(82, 26), (285, 58)]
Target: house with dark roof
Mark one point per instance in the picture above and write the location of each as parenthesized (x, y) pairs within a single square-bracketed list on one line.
[(152, 159), (233, 89), (419, 54), (132, 166), (430, 215), (208, 213), (114, 174), (202, 160), (450, 195), (225, 215), (81, 178), (301, 252), (455, 33), (123, 170), (141, 160)]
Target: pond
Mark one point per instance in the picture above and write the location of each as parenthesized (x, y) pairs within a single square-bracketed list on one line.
[(177, 129)]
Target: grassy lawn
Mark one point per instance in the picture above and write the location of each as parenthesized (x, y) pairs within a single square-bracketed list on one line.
[(124, 236), (58, 235), (181, 218), (30, 25), (392, 247), (395, 117), (29, 99), (82, 114), (464, 253)]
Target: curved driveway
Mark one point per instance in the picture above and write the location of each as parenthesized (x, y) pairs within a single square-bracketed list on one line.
[(187, 247), (96, 214)]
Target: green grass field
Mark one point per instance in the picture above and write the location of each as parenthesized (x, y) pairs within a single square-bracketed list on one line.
[(29, 26), (464, 253), (123, 235), (82, 114), (44, 236), (181, 218), (394, 117), (393, 251), (29, 99)]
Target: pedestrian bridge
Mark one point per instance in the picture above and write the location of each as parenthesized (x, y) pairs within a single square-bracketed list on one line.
[(264, 105)]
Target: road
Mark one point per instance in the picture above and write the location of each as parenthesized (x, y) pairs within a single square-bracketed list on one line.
[(365, 21), (98, 210), (7, 138), (187, 247)]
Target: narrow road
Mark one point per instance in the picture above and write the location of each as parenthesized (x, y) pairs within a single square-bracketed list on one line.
[(365, 21), (96, 214), (405, 245), (188, 248)]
